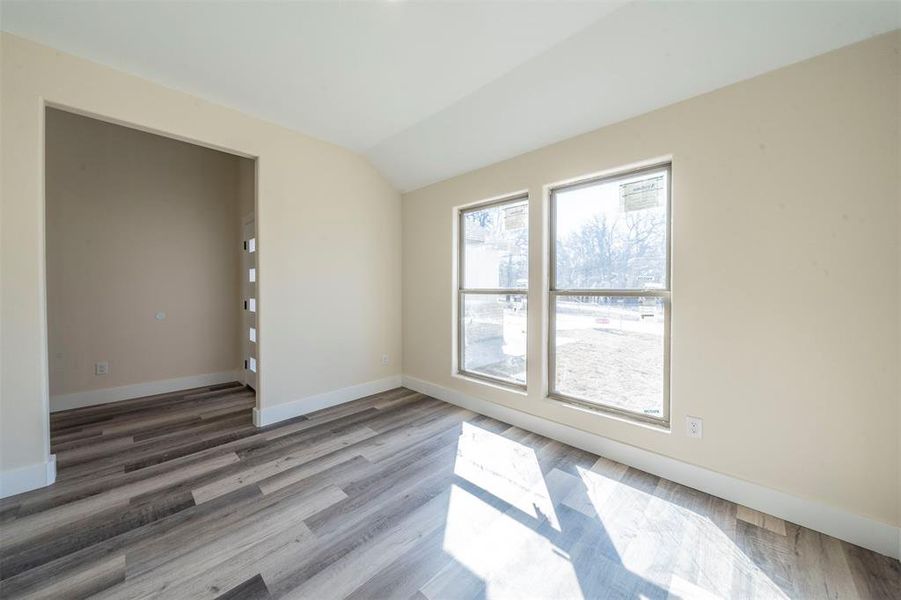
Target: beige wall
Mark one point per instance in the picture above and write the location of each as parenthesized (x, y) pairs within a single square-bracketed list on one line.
[(785, 330), (138, 224), (328, 226), (246, 191), (246, 203)]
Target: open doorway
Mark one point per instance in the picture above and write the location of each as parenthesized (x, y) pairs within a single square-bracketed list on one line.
[(151, 271)]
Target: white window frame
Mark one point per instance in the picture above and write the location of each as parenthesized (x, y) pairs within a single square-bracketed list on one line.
[(665, 295), (463, 291)]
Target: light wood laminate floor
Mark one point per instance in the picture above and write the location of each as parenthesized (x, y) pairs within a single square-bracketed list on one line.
[(392, 496)]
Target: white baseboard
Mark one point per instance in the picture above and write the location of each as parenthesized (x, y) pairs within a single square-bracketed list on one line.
[(877, 536), (289, 410), (25, 479), (138, 390)]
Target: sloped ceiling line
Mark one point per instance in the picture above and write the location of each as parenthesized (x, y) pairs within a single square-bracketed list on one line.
[(426, 91)]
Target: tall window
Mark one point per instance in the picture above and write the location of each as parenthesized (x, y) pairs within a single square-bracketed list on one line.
[(610, 294), (493, 282)]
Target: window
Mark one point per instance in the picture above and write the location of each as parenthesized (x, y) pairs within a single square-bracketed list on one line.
[(493, 283), (610, 294)]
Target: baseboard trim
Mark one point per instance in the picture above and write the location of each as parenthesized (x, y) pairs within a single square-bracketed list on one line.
[(138, 390), (25, 479), (289, 410), (862, 531)]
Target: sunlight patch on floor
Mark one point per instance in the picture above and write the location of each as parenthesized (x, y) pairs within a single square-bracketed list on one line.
[(650, 533), (505, 469), (513, 560), (521, 546)]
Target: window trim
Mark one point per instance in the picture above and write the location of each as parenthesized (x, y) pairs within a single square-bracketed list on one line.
[(665, 294), (462, 290)]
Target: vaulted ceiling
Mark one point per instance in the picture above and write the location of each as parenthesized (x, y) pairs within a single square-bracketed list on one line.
[(428, 90)]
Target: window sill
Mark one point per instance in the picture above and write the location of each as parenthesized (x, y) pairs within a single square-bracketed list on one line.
[(493, 383), (600, 411)]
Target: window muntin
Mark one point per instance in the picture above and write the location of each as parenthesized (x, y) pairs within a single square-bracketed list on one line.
[(610, 294), (493, 285)]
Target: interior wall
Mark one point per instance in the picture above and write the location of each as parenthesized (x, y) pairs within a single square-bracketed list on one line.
[(328, 227), (898, 367), (245, 209), (785, 283), (138, 225)]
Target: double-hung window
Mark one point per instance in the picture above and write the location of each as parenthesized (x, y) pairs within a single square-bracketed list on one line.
[(493, 283), (610, 294)]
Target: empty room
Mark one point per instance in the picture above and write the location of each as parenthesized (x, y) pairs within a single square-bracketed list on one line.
[(450, 300)]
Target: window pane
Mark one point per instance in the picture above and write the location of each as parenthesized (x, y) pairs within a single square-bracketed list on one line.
[(609, 350), (494, 336), (612, 235), (496, 247)]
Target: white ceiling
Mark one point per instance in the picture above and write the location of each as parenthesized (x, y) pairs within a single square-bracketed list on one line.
[(428, 90)]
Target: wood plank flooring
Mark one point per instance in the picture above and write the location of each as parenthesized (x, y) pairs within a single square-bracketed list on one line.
[(397, 495)]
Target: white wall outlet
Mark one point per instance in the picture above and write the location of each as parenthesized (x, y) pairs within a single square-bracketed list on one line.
[(694, 427), (386, 359), (101, 368)]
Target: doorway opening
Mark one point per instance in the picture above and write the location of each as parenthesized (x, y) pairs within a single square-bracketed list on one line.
[(151, 273)]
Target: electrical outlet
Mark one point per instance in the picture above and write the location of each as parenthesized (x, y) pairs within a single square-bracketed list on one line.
[(101, 368), (694, 427), (386, 359)]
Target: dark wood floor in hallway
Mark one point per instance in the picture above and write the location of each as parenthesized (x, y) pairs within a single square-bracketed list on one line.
[(397, 495)]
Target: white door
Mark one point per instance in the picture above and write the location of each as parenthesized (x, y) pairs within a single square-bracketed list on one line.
[(250, 305)]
